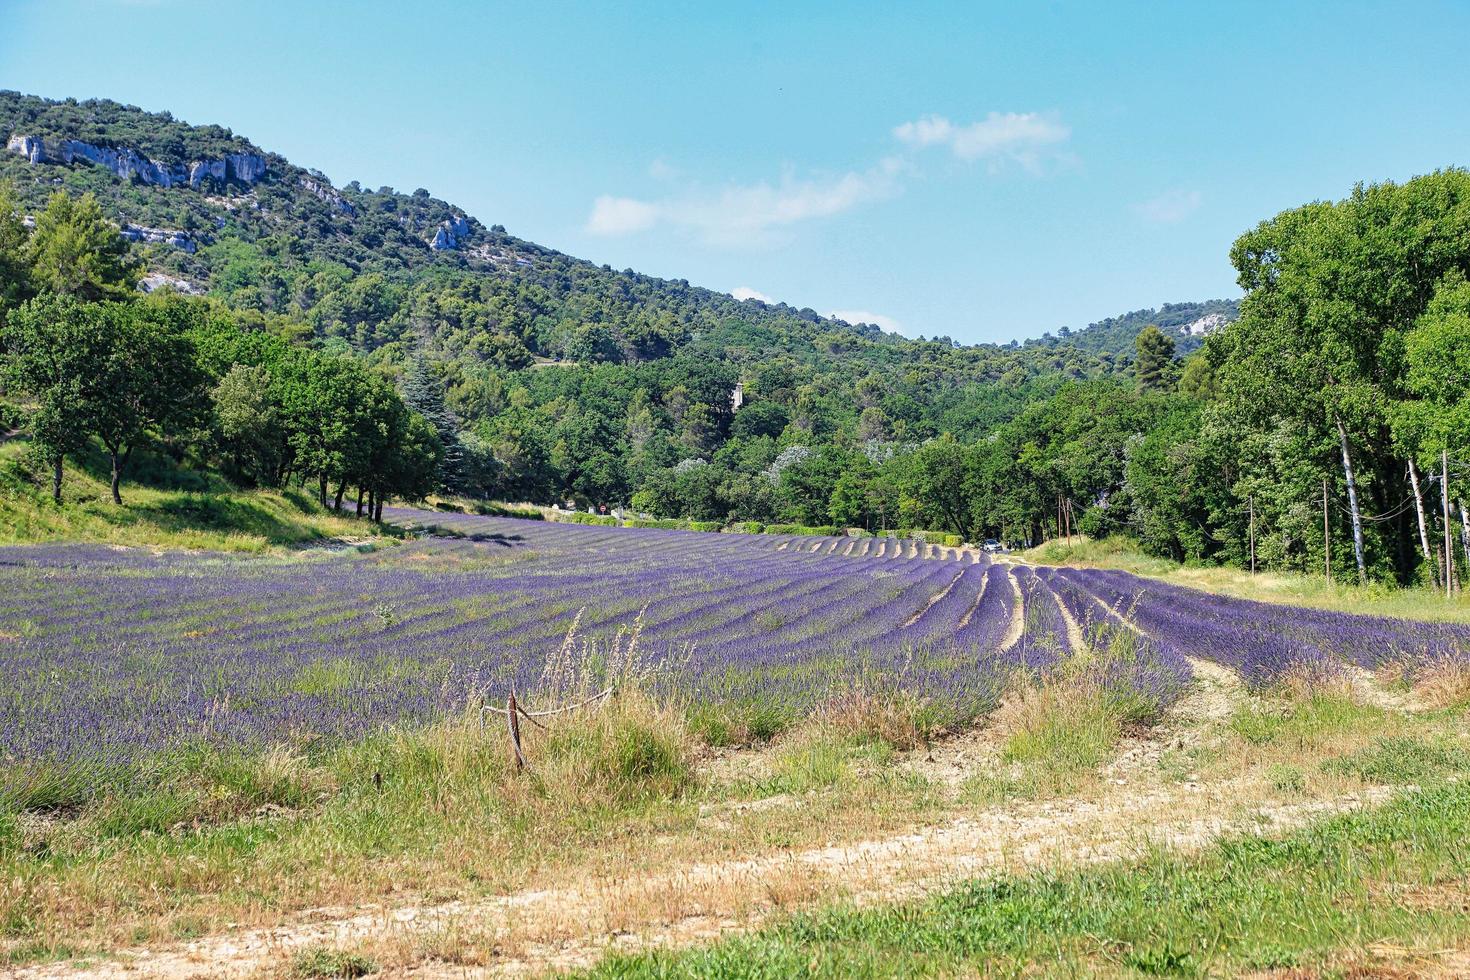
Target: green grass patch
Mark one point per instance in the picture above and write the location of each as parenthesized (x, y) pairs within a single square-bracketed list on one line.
[(1403, 760), (1311, 901), (1304, 723), (164, 505)]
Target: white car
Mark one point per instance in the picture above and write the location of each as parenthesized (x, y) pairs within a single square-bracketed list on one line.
[(993, 547)]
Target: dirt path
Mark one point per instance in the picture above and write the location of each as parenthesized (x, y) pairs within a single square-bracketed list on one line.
[(933, 599), (536, 931), (564, 928), (1017, 625)]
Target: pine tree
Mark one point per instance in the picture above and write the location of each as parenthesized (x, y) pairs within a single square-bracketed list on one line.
[(1155, 366), (423, 392)]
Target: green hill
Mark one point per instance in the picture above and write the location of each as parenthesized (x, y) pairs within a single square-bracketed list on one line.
[(549, 376)]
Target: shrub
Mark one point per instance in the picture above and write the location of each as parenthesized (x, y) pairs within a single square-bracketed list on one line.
[(501, 510), (577, 517), (448, 507), (746, 527), (953, 541), (705, 526), (321, 963), (825, 530)]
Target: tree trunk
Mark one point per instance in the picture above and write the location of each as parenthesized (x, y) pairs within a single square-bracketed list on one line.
[(378, 513), (1423, 527), (337, 501), (1464, 531), (1352, 489), (322, 488), (116, 477), (359, 500), (56, 479)]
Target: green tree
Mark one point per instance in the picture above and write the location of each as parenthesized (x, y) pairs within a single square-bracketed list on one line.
[(249, 424), (147, 382), (1155, 364), (53, 349), (423, 393), (75, 251), (15, 279)]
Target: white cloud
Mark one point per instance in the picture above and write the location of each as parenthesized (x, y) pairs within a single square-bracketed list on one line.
[(621, 216), (865, 316), (1019, 136), (745, 292), (756, 214), (747, 214), (1170, 206)]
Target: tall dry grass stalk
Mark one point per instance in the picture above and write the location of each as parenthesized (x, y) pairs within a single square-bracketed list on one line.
[(899, 718), (1444, 683)]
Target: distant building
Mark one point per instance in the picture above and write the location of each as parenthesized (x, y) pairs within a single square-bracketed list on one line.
[(737, 397)]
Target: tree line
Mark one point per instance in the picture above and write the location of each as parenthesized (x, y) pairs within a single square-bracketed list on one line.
[(99, 361)]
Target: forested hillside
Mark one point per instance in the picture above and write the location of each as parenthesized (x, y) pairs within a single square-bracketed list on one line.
[(357, 339), (1187, 323)]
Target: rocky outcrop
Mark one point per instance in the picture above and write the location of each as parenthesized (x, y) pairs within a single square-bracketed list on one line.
[(1206, 325), (451, 233), (129, 164), (322, 190), (159, 280), (160, 236)]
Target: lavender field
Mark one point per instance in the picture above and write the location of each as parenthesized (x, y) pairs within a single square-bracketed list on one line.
[(110, 655)]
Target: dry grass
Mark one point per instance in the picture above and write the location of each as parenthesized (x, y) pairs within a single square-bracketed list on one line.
[(897, 718), (1444, 683)]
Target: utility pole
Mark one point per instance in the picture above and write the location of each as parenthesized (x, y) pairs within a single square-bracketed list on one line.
[(1449, 552), (1253, 533), (1326, 540)]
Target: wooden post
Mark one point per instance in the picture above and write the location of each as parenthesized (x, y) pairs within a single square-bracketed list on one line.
[(1253, 533), (513, 723), (1449, 552), (1326, 540)]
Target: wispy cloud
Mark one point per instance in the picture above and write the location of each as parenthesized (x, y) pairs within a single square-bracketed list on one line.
[(763, 213), (747, 214), (866, 316), (1021, 137), (1170, 207), (621, 216), (745, 292)]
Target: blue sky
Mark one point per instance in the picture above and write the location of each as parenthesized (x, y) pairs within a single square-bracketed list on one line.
[(982, 171)]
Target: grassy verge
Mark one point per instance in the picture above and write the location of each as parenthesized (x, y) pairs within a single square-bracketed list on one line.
[(1323, 898), (1285, 587), (167, 507)]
